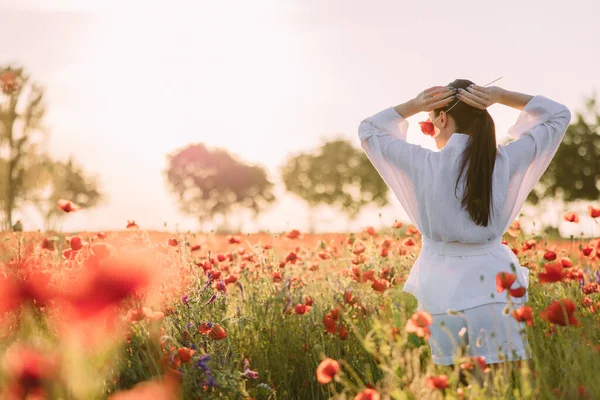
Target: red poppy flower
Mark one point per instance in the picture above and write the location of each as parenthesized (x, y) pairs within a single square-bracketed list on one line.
[(371, 231), (359, 248), (27, 369), (217, 332), (553, 273), (408, 242), (437, 382), (67, 206), (48, 244), (348, 297), (524, 314), (131, 225), (343, 332), (105, 287), (380, 285), (427, 127), (550, 256), (75, 243), (185, 354), (419, 323), (412, 230), (368, 394), (233, 240), (172, 242), (589, 251), (571, 217), (302, 309), (504, 281), (330, 323), (326, 370), (368, 276), (594, 212), (528, 245), (397, 225), (294, 234), (515, 229), (560, 312), (205, 328), (195, 247), (566, 263), (518, 292), (35, 287)]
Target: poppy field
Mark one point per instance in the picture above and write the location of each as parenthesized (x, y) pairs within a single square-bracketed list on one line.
[(151, 315)]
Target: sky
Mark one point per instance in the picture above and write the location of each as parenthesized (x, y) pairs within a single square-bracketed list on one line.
[(128, 82)]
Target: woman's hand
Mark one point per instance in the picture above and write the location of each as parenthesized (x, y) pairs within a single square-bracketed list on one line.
[(434, 98), (480, 97)]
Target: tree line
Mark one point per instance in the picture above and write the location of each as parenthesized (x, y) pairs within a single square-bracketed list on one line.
[(210, 183)]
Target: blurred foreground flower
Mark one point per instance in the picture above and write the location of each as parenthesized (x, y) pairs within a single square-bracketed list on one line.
[(166, 389), (437, 382), (368, 394), (419, 323), (27, 371), (326, 370), (34, 287), (560, 312), (571, 217)]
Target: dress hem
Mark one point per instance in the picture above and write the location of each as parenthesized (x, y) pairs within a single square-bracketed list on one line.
[(465, 304)]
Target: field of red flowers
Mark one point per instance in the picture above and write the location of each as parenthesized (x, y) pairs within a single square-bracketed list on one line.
[(150, 315)]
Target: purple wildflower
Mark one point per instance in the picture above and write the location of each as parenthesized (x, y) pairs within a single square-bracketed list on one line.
[(241, 290), (201, 363), (212, 298), (248, 373), (286, 305)]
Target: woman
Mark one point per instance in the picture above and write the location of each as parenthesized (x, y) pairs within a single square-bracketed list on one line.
[(462, 199)]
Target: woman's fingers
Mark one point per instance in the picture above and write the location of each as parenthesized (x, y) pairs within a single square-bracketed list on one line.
[(471, 99), (443, 102), (479, 92), (442, 91), (432, 89)]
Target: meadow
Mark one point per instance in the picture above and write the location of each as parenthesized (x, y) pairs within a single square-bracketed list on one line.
[(151, 315)]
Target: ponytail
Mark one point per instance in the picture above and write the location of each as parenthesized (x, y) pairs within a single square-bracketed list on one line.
[(479, 159)]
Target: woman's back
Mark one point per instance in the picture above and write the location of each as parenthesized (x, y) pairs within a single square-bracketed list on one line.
[(442, 215)]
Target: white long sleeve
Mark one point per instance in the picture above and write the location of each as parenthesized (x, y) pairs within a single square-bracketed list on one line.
[(383, 137), (539, 130)]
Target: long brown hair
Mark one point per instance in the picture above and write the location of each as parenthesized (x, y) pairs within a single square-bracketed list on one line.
[(479, 157)]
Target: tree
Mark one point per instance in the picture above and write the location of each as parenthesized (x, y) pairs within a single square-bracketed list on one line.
[(575, 170), (28, 175), (21, 112), (211, 183), (337, 174)]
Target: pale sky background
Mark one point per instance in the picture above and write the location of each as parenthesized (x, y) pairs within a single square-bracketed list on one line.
[(129, 81)]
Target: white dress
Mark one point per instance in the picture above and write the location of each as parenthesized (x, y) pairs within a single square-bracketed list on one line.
[(458, 262)]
